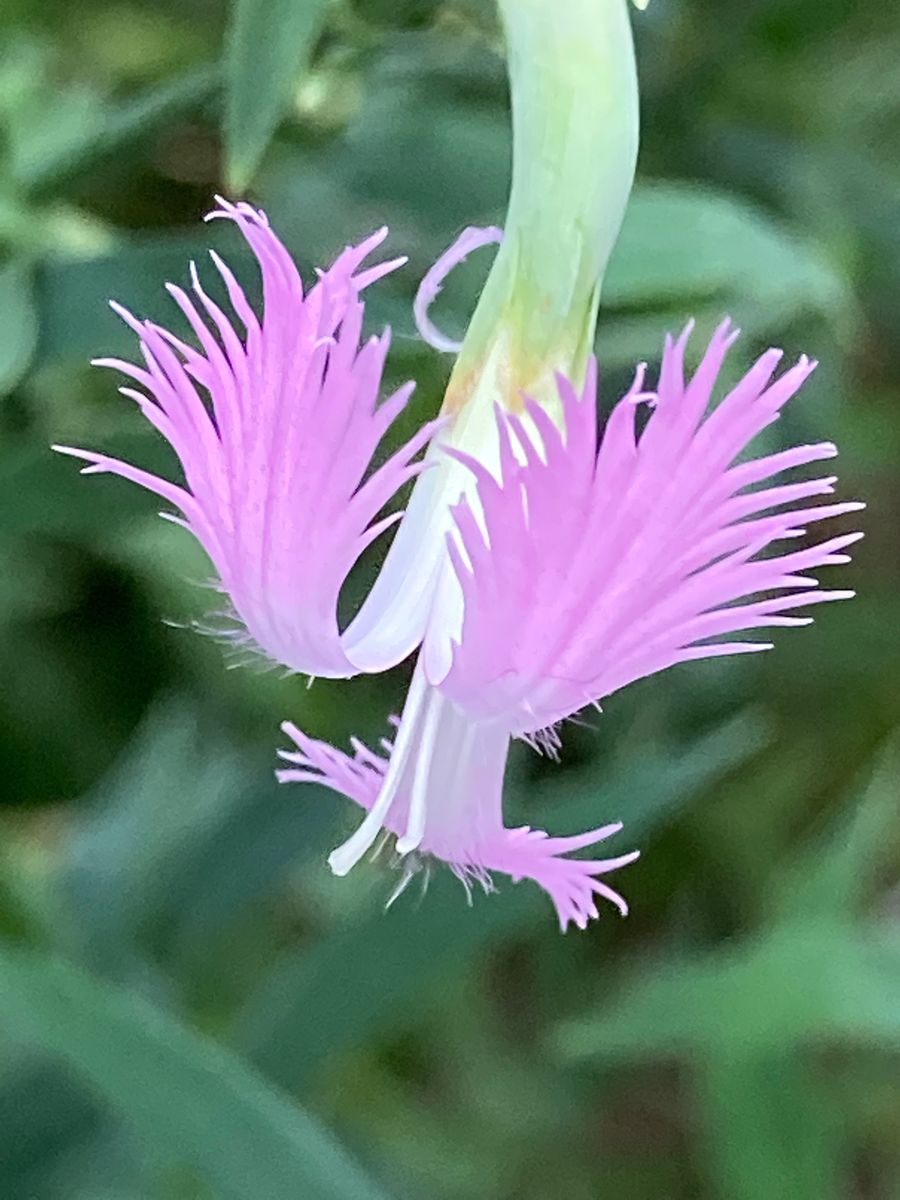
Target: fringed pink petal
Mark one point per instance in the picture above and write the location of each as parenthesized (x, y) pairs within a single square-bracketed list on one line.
[(589, 567), (470, 239), (275, 421), (438, 791), (573, 884)]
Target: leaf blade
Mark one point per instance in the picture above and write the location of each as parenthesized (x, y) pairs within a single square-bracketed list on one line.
[(177, 1088), (267, 45), (19, 330)]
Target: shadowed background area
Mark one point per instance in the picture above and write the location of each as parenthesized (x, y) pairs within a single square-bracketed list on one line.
[(190, 1006)]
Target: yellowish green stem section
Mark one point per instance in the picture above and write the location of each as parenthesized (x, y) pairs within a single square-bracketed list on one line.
[(575, 137)]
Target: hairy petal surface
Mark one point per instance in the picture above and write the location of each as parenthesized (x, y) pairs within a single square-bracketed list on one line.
[(275, 420), (438, 789), (584, 568)]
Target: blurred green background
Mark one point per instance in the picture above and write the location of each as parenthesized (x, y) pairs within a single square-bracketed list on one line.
[(190, 1006)]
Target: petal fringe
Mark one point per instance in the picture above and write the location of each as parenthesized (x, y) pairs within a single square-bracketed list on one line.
[(583, 568), (275, 421)]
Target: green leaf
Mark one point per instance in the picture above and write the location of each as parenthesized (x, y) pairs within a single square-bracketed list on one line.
[(682, 245), (147, 870), (135, 843), (40, 493), (834, 875), (269, 43), (772, 1128), (45, 164), (807, 982), (27, 911), (180, 1091), (309, 1007), (44, 1115), (73, 294), (18, 331)]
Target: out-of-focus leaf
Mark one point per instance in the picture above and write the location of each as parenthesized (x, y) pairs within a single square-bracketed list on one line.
[(309, 1009), (772, 1129), (397, 12), (43, 1114), (26, 913), (125, 862), (18, 327), (30, 588), (178, 1090), (73, 294), (824, 981), (43, 165), (179, 839), (63, 685), (269, 43), (684, 243), (833, 876), (42, 493), (422, 153)]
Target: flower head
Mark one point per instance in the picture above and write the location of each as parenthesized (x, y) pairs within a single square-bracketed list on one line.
[(541, 565), (438, 788), (569, 563)]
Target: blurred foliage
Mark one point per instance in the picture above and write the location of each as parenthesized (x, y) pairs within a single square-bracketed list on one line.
[(190, 1006)]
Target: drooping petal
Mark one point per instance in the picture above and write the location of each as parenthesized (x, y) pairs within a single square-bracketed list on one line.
[(412, 581), (275, 420), (414, 576), (584, 568), (438, 789)]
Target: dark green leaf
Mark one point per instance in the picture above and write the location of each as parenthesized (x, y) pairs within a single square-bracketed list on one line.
[(834, 875), (687, 245), (180, 1091), (169, 870), (73, 294), (268, 45), (42, 492), (18, 330), (773, 1128), (42, 168)]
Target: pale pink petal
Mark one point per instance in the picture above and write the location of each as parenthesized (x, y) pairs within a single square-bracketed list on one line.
[(439, 791), (584, 568), (470, 239), (275, 420)]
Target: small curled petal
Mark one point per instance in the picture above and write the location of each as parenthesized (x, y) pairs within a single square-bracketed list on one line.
[(470, 239)]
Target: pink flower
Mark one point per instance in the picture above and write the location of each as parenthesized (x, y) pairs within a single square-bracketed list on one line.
[(540, 575)]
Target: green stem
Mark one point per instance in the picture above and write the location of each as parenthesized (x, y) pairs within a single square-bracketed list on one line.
[(575, 134)]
